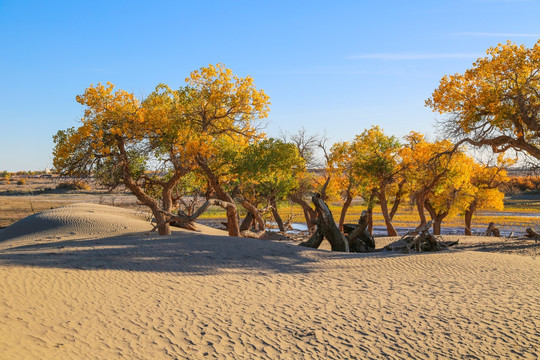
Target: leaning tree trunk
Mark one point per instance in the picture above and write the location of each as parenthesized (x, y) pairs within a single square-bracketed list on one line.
[(253, 210), (161, 219), (167, 217), (326, 228), (233, 226), (309, 214), (360, 240), (346, 204), (247, 223), (397, 200), (420, 203), (436, 217), (384, 209), (275, 214), (370, 206), (468, 218)]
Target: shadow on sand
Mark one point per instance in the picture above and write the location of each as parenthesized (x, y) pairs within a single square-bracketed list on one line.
[(184, 253)]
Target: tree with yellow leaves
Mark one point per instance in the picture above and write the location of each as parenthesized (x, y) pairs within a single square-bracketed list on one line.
[(454, 192), (199, 125), (225, 113), (376, 163), (426, 164), (487, 196), (116, 143), (496, 103), (340, 169)]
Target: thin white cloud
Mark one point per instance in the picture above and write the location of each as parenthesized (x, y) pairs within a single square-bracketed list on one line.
[(415, 56), (488, 34)]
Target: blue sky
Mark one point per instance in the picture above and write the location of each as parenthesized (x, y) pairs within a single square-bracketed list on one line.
[(334, 66)]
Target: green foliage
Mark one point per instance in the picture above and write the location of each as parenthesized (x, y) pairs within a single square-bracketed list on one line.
[(268, 168), (376, 156)]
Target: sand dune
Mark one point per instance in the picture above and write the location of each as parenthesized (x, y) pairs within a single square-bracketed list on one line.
[(70, 289)]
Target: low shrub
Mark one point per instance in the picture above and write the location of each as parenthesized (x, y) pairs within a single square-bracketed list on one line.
[(74, 185), (21, 182)]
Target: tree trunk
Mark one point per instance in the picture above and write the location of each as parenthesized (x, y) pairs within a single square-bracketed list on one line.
[(384, 209), (232, 221), (370, 206), (276, 215), (360, 240), (309, 213), (315, 240), (161, 219), (397, 200), (420, 207), (344, 209), (247, 222), (233, 225), (437, 225), (468, 218), (166, 217), (324, 187), (327, 226), (256, 215), (436, 217), (138, 191)]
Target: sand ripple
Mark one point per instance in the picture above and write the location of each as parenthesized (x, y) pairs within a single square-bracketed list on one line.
[(194, 296)]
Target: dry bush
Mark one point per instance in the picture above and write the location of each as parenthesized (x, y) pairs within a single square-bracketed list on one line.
[(21, 182), (74, 185)]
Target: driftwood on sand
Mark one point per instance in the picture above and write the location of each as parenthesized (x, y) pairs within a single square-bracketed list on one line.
[(422, 241), (530, 233), (492, 230)]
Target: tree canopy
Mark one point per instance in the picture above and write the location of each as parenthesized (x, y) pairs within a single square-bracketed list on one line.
[(495, 103), (153, 143)]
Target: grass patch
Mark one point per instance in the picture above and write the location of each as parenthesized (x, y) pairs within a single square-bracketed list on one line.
[(408, 217)]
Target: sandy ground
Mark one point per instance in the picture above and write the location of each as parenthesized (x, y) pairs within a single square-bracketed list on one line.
[(86, 282)]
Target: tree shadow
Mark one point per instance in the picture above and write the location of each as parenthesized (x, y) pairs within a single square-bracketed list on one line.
[(189, 253)]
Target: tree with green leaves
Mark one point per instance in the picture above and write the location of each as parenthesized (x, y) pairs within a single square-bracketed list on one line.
[(266, 173)]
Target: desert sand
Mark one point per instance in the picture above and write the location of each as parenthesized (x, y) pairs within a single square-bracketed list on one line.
[(86, 281)]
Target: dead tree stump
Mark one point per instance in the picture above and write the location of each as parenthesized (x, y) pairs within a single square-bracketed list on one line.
[(326, 228), (530, 233), (360, 240), (492, 230)]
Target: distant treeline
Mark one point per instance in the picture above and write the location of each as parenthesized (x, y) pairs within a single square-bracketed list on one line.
[(517, 184)]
